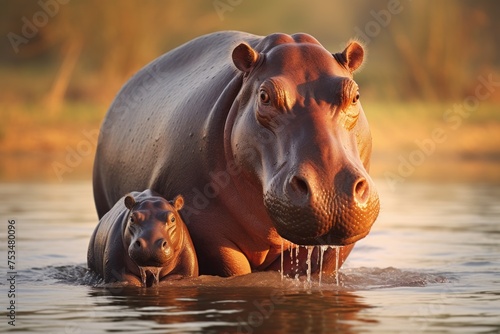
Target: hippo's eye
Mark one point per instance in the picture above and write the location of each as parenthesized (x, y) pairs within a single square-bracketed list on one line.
[(171, 219), (355, 98), (264, 97), (131, 219)]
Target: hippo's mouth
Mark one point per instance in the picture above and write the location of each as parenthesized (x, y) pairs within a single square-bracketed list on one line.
[(328, 239), (337, 221)]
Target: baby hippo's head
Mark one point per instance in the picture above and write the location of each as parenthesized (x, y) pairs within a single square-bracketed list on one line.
[(154, 231)]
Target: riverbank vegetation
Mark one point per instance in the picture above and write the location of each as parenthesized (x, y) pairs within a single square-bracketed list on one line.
[(60, 71)]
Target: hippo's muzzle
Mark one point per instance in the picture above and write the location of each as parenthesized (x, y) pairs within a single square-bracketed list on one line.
[(308, 211), (150, 254)]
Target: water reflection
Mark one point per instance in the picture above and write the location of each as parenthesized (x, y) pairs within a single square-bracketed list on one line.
[(430, 263), (242, 309)]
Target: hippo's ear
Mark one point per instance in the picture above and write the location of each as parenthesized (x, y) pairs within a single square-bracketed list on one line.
[(178, 202), (129, 202), (244, 57), (352, 56)]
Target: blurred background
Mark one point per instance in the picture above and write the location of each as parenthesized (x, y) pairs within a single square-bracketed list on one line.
[(430, 84)]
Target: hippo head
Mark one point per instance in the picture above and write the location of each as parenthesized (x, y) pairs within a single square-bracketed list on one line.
[(153, 233), (301, 135)]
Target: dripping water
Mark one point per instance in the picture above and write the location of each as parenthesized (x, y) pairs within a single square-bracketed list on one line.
[(297, 263), (322, 250), (155, 271), (308, 262), (294, 261), (337, 255), (297, 258), (282, 246)]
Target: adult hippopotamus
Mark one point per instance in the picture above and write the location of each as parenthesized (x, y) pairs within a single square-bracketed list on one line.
[(142, 239), (265, 138)]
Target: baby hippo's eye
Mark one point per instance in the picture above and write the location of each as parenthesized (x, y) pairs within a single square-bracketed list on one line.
[(171, 219), (131, 219), (355, 98)]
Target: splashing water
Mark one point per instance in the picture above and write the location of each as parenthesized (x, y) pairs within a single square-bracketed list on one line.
[(155, 271)]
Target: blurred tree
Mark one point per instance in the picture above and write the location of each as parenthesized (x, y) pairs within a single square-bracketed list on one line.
[(442, 46), (432, 50)]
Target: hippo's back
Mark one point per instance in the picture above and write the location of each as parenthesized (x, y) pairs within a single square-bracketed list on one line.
[(155, 130)]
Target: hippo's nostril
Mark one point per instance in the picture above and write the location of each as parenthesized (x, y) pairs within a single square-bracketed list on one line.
[(137, 244), (361, 191), (299, 185), (161, 244)]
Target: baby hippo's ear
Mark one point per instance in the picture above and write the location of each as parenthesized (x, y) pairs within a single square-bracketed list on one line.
[(129, 202), (178, 202)]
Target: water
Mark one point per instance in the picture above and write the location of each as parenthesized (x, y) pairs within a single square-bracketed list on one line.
[(155, 271), (430, 265), (310, 249)]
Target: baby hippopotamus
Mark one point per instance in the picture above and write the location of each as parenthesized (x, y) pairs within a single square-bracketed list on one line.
[(142, 240)]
